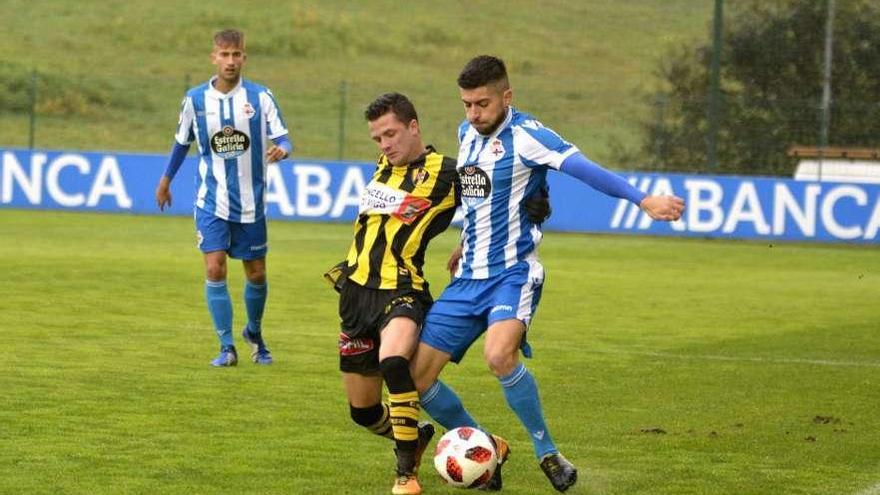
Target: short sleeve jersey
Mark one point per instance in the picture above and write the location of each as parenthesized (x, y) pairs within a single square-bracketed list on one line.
[(402, 208), (232, 131), (497, 172)]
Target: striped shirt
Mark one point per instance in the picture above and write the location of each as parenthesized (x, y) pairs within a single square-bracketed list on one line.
[(232, 131), (497, 173), (401, 210)]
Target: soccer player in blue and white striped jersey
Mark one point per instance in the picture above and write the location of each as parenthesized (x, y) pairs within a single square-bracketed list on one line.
[(504, 156), (239, 130)]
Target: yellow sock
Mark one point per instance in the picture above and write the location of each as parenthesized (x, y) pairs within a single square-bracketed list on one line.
[(404, 411)]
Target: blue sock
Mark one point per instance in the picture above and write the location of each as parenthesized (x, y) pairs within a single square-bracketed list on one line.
[(521, 393), (255, 302), (220, 307), (445, 407)]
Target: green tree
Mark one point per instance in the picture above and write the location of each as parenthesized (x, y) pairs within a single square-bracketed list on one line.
[(771, 88)]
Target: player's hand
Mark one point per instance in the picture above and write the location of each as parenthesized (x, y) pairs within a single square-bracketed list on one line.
[(537, 206), (668, 208), (454, 258), (275, 154), (163, 193)]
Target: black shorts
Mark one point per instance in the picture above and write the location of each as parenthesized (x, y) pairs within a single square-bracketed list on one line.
[(364, 313)]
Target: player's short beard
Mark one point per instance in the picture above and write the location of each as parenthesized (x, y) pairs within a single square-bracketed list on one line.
[(494, 127)]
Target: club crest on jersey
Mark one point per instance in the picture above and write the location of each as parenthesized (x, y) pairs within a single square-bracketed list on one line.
[(475, 185), (229, 142), (248, 110), (496, 149), (419, 176)]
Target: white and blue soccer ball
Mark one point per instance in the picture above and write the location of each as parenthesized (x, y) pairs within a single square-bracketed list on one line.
[(465, 457)]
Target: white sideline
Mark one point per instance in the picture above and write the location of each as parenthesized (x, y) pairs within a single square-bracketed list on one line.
[(767, 360)]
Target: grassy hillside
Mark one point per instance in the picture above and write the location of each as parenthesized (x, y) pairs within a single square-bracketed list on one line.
[(111, 73)]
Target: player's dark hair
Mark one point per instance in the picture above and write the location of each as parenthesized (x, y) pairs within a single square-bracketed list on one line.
[(232, 37), (482, 71), (395, 103)]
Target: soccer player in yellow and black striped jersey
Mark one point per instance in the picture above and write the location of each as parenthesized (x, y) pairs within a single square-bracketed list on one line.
[(383, 293), (384, 296)]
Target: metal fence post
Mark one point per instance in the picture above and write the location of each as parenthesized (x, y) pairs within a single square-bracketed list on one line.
[(33, 116), (662, 139), (826, 87), (714, 86)]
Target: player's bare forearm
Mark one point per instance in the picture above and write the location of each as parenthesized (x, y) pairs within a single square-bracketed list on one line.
[(666, 208)]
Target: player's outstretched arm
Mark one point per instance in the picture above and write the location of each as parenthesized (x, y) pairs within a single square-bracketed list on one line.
[(601, 179), (668, 208)]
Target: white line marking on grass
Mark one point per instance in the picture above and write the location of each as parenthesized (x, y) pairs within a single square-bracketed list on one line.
[(874, 490), (769, 360)]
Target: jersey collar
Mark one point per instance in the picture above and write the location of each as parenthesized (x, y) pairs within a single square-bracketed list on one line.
[(420, 161), (217, 94)]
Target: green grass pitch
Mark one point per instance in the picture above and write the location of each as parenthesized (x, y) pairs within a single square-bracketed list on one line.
[(666, 366)]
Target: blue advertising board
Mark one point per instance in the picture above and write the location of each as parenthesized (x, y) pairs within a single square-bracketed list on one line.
[(717, 206)]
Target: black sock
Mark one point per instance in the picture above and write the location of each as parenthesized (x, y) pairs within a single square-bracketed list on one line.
[(376, 418)]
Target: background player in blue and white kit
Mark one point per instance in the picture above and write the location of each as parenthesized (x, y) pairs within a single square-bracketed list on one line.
[(232, 120), (504, 156)]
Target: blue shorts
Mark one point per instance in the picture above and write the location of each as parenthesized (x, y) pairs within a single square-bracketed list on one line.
[(468, 307), (242, 241)]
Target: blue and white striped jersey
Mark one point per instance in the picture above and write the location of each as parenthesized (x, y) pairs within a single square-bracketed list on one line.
[(497, 173), (232, 131)]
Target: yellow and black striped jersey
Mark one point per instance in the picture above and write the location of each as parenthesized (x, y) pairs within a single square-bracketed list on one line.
[(401, 210)]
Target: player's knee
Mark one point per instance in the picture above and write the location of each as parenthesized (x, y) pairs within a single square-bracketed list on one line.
[(216, 272), (423, 383), (395, 372), (256, 275), (500, 362), (215, 269), (366, 416)]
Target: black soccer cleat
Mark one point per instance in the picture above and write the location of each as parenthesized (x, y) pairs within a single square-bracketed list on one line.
[(502, 449), (426, 433), (561, 473)]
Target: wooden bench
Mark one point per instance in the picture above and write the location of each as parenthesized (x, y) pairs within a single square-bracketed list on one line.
[(834, 152)]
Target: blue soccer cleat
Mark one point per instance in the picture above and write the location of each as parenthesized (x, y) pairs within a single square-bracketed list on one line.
[(227, 357), (259, 352)]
